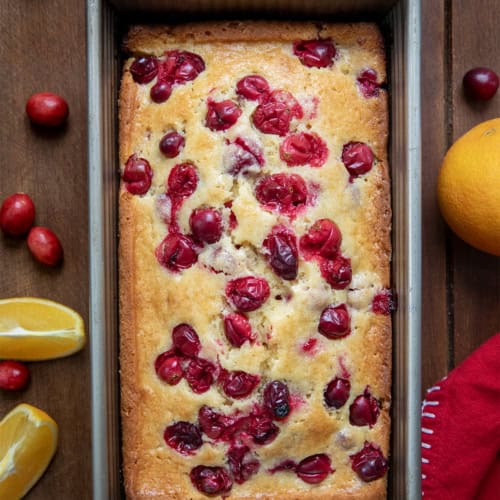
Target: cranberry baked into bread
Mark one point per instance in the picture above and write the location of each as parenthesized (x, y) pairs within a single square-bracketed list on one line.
[(254, 262)]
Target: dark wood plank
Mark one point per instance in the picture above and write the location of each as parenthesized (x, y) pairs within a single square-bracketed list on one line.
[(476, 279), (43, 48)]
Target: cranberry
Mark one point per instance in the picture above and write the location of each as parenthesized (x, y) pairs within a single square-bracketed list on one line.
[(277, 399), (240, 466), (262, 429), (273, 116), (252, 87), (315, 53), (17, 214), (337, 392), (211, 480), (222, 115), (480, 83), (182, 66), (214, 424), (385, 302), (206, 224), (303, 149), (241, 156), (369, 463), (237, 329), (200, 375), (357, 158), (186, 340), (367, 83), (248, 293), (335, 322), (337, 272), (171, 144), (286, 98), (169, 368), (280, 249), (144, 69), (176, 252), (364, 410), (137, 175), (323, 238), (310, 345), (160, 92), (183, 437), (284, 193), (182, 180), (47, 109), (314, 469), (284, 466), (14, 376), (239, 384), (45, 246)]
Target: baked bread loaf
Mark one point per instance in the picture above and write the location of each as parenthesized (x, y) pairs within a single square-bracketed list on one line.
[(255, 262)]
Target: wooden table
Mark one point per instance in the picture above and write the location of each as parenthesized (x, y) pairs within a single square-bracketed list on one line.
[(42, 47)]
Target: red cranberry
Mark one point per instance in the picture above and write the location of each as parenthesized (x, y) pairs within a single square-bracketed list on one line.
[(315, 53), (144, 69), (262, 429), (214, 424), (286, 98), (357, 158), (14, 376), (239, 384), (286, 465), (182, 66), (237, 329), (171, 144), (211, 480), (182, 180), (369, 463), (252, 87), (176, 252), (186, 340), (206, 224), (335, 322), (183, 437), (17, 214), (367, 83), (275, 114), (160, 92), (337, 392), (480, 83), (248, 293), (337, 272), (364, 410), (222, 115), (137, 175), (169, 368), (384, 302), (47, 109), (45, 246), (310, 345), (277, 399), (241, 156), (200, 375), (240, 464), (303, 149), (314, 469), (323, 238), (283, 193), (280, 249)]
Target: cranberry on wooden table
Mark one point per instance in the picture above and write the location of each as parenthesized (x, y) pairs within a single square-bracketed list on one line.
[(137, 175), (45, 246), (211, 480), (47, 109), (171, 144), (14, 376), (206, 224), (369, 463), (315, 53), (314, 469), (17, 214), (480, 83)]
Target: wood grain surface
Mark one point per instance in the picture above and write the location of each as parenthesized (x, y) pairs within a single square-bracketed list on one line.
[(42, 47)]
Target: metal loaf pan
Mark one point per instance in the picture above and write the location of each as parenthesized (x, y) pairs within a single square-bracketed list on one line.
[(400, 21)]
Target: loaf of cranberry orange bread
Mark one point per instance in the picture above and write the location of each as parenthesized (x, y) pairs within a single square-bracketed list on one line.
[(255, 262)]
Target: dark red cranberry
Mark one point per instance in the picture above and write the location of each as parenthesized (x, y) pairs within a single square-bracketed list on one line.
[(186, 340), (273, 116), (17, 214), (286, 465), (144, 69), (237, 329), (182, 180), (241, 156), (47, 109), (169, 368), (357, 158), (480, 83), (286, 98), (303, 149), (337, 392), (285, 193), (315, 468), (315, 53), (171, 144), (337, 272), (200, 375), (248, 293), (239, 384), (160, 91), (214, 424), (364, 410), (262, 429), (335, 322), (211, 480), (222, 115), (252, 87), (182, 66), (14, 376), (137, 175), (280, 249), (206, 224), (183, 437), (384, 302), (367, 83), (323, 238), (277, 399), (176, 252), (369, 463), (45, 246), (241, 464)]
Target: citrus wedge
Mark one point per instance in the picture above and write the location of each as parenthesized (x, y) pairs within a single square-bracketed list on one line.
[(34, 329), (28, 441)]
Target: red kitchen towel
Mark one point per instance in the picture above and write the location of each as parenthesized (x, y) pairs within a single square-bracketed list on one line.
[(461, 430)]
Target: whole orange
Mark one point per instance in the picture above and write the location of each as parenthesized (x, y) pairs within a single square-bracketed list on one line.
[(469, 187)]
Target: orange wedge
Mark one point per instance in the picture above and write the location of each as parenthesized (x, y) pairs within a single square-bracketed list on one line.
[(34, 329), (28, 441)]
